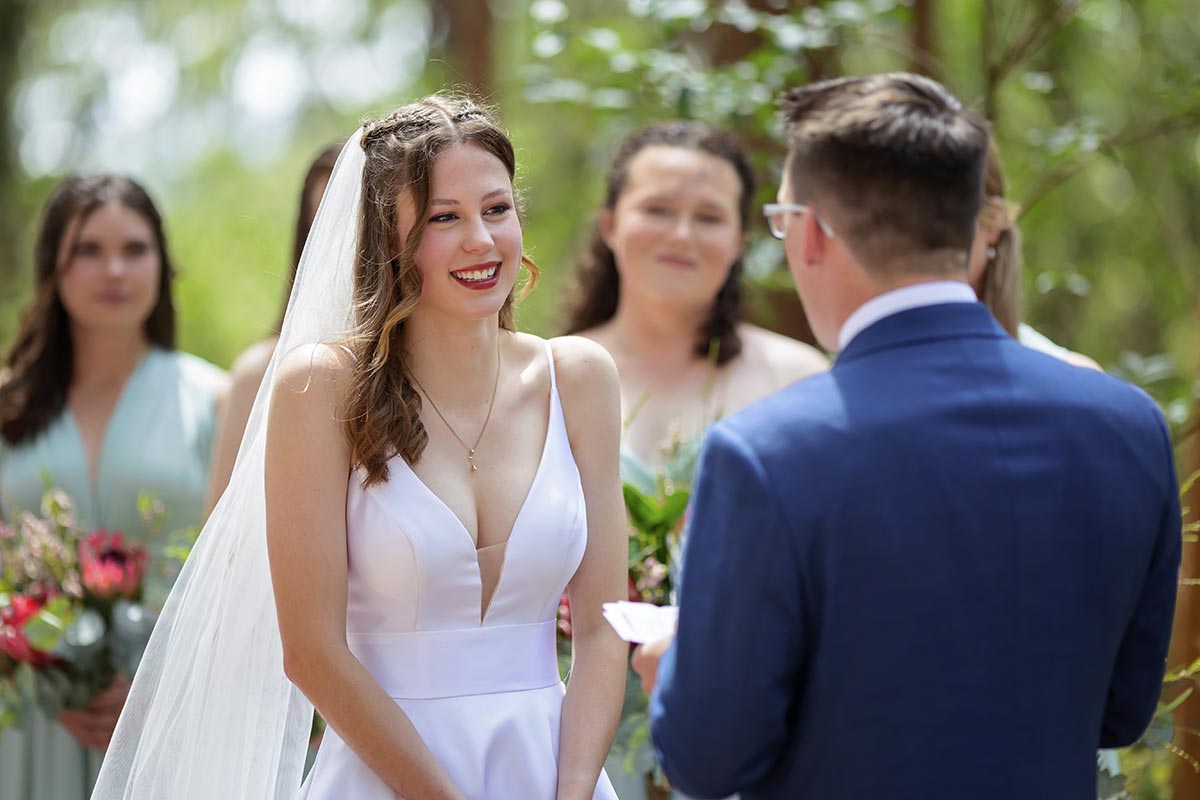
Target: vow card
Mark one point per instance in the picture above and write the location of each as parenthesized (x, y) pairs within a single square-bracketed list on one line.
[(641, 622)]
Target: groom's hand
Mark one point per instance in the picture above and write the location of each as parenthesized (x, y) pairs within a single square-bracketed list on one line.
[(645, 660)]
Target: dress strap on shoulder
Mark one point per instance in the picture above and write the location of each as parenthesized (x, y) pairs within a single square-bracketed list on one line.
[(550, 360)]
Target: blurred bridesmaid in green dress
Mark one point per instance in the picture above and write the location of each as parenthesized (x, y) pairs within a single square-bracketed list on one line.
[(95, 396), (251, 365), (660, 287)]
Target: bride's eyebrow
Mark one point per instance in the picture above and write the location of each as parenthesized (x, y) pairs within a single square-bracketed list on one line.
[(449, 201)]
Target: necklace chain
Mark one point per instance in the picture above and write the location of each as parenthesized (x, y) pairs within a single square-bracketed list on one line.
[(491, 404)]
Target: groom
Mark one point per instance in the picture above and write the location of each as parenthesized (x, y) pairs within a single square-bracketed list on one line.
[(944, 569)]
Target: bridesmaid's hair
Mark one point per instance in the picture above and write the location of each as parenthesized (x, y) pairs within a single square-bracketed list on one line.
[(383, 414), (319, 171), (1000, 286), (597, 282), (40, 363)]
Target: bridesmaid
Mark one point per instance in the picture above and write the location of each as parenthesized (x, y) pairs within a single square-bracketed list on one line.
[(660, 289), (250, 367), (995, 267), (95, 395)]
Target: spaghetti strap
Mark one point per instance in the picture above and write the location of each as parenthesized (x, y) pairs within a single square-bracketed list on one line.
[(550, 359)]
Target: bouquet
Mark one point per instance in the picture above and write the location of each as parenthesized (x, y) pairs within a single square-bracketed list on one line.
[(71, 616)]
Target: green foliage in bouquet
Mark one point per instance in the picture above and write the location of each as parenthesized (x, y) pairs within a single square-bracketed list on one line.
[(72, 615), (39, 589), (654, 540)]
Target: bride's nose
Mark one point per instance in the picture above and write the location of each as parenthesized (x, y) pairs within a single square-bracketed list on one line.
[(478, 239)]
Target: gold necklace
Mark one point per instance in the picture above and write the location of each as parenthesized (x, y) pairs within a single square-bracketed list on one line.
[(491, 404)]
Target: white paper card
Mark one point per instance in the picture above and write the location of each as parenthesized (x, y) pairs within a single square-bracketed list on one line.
[(641, 622)]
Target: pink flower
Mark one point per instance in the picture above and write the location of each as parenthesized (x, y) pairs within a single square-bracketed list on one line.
[(13, 642), (564, 615), (111, 567), (653, 574)]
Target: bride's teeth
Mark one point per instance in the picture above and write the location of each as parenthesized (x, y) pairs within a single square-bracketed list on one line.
[(476, 275)]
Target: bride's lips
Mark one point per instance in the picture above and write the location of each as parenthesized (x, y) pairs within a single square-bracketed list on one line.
[(478, 276)]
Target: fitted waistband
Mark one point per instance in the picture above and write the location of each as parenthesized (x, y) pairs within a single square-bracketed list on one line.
[(465, 661)]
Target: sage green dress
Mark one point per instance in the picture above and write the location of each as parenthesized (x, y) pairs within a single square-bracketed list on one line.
[(158, 441), (629, 761)]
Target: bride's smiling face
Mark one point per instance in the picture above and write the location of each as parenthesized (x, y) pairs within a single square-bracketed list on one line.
[(470, 250)]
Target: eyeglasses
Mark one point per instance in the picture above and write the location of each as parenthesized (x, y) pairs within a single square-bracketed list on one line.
[(777, 213)]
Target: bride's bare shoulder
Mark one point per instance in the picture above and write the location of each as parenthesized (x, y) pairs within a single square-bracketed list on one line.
[(582, 360), (326, 368)]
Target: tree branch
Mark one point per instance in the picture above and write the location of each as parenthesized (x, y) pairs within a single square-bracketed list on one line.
[(1184, 121), (1028, 43)]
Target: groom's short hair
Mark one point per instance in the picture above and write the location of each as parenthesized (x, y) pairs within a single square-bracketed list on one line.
[(895, 162)]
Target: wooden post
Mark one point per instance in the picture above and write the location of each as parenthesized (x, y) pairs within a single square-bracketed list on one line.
[(1185, 642)]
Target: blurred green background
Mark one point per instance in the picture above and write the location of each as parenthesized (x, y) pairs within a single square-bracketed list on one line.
[(217, 106)]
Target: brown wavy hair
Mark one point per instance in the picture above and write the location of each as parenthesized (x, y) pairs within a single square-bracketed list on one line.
[(319, 170), (40, 363), (1000, 286), (383, 413), (598, 283)]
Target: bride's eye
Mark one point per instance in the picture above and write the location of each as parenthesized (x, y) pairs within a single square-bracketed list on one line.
[(447, 217), (498, 210)]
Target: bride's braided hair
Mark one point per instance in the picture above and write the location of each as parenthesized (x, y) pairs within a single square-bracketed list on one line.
[(383, 413)]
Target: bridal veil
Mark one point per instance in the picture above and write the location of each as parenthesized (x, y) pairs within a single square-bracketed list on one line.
[(211, 713)]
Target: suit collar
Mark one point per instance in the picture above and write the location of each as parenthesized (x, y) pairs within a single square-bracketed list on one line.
[(926, 293), (926, 323)]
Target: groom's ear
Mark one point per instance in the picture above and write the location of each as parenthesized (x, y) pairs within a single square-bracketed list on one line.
[(814, 243)]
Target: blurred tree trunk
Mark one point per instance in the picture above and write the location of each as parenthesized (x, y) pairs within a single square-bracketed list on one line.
[(1185, 643), (923, 34), (468, 28), (13, 14)]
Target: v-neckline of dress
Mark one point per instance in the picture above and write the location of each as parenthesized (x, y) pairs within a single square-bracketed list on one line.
[(466, 534), (91, 478)]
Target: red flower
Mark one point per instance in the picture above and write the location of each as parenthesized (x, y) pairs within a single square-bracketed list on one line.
[(13, 642), (110, 566)]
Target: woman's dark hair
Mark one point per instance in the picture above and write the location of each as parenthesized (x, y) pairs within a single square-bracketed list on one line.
[(40, 363), (319, 171), (597, 280)]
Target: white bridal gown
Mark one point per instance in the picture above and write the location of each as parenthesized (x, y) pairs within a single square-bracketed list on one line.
[(477, 677)]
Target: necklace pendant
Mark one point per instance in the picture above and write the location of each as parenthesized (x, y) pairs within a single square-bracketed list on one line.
[(471, 460)]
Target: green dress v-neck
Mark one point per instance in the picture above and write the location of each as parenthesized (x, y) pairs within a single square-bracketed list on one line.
[(158, 441)]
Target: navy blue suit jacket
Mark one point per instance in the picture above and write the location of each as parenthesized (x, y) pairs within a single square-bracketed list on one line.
[(944, 569)]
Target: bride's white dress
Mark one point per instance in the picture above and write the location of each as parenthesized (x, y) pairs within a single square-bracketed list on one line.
[(474, 669)]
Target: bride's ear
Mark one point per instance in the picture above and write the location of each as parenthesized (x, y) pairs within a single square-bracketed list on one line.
[(604, 226)]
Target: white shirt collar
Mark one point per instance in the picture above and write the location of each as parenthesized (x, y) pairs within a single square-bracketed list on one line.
[(902, 299)]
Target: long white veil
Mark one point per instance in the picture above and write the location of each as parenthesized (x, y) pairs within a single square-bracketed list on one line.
[(211, 713)]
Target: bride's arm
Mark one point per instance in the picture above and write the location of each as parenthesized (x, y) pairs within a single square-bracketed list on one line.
[(587, 382), (307, 471)]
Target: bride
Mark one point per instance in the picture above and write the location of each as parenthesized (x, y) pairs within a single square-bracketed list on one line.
[(433, 480)]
